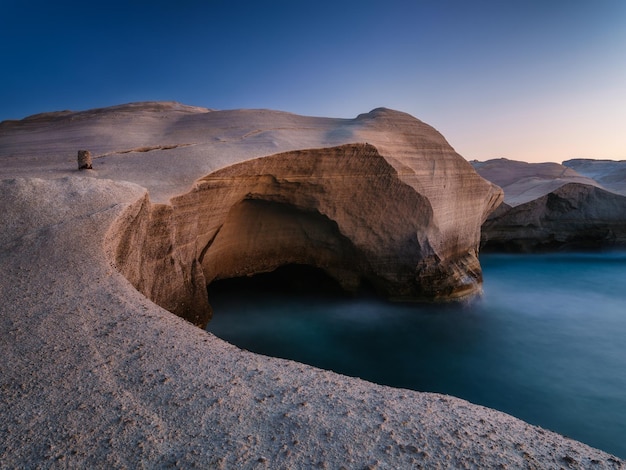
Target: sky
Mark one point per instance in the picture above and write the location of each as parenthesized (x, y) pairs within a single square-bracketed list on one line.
[(532, 80)]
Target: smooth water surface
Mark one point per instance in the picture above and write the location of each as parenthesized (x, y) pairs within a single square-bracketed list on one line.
[(546, 343)]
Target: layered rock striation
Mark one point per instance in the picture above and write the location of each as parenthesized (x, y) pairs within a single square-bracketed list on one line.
[(341, 209), (548, 206)]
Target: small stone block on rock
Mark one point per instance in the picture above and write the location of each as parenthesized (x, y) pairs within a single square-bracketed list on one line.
[(84, 160)]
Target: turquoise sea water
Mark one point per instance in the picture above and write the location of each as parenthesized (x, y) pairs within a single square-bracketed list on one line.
[(546, 342)]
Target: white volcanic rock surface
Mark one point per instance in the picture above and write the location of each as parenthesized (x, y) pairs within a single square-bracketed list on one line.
[(404, 202), (95, 375), (522, 182), (609, 173)]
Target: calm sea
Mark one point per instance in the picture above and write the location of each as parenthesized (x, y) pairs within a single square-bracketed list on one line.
[(546, 342)]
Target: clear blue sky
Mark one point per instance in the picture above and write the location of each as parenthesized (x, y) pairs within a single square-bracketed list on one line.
[(534, 80)]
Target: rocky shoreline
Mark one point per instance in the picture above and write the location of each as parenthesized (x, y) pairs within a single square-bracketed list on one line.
[(94, 374)]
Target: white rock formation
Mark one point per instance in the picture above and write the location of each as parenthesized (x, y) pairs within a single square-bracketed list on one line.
[(548, 206), (381, 198), (95, 375), (610, 174)]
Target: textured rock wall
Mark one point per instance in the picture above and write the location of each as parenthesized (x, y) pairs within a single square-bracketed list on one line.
[(342, 209), (382, 222), (460, 198), (574, 216), (548, 206), (142, 244)]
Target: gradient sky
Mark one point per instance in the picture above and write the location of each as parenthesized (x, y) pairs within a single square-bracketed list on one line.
[(533, 80)]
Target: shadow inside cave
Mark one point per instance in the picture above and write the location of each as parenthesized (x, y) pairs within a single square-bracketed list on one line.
[(288, 281)]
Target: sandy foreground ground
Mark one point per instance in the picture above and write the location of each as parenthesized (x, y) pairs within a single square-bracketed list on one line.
[(95, 375)]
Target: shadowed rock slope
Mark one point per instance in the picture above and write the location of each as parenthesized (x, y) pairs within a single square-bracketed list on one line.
[(548, 206)]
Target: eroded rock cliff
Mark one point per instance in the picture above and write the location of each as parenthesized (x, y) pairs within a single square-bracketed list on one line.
[(548, 206), (381, 198), (342, 209)]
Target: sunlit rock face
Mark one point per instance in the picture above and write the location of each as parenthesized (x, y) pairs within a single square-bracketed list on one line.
[(342, 209), (549, 206), (381, 199)]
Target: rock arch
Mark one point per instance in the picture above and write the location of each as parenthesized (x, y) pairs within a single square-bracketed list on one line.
[(343, 209), (259, 236)]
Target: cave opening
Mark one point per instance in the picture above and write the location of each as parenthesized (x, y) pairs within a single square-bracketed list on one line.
[(291, 280), (278, 248), (293, 286)]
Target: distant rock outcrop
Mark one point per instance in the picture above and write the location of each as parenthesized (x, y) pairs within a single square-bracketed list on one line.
[(610, 174), (548, 206)]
